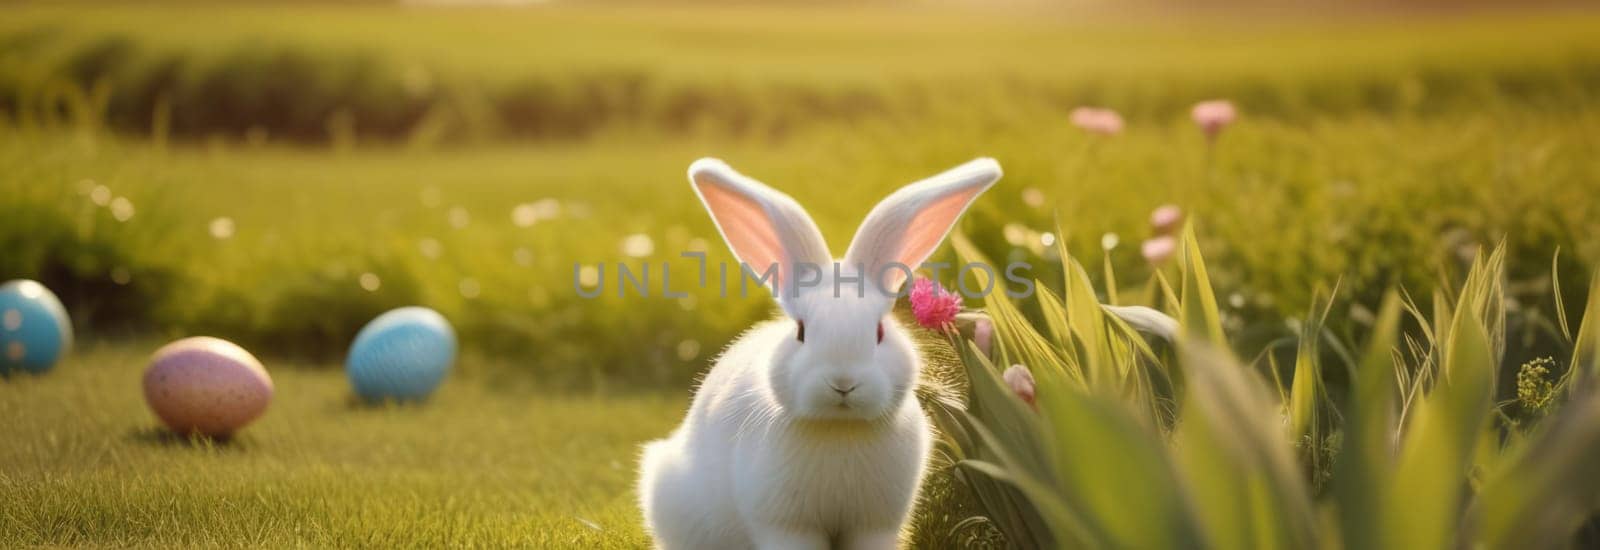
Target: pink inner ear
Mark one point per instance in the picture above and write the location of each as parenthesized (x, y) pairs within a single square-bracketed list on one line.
[(747, 228), (926, 230)]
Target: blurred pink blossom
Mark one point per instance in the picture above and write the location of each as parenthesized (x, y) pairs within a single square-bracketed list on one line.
[(1021, 382), (1157, 250), (983, 334), (1096, 120), (1166, 219), (933, 305), (1213, 116)]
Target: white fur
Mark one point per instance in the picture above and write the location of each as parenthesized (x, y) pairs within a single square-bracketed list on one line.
[(772, 453)]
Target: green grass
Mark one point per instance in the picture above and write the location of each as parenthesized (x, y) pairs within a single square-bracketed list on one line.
[(1372, 201), (86, 464), (308, 72), (1375, 152), (1416, 449)]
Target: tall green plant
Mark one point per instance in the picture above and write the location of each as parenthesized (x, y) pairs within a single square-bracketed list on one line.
[(1421, 458)]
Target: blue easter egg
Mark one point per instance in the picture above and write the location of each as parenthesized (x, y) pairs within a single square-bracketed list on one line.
[(34, 330), (403, 354)]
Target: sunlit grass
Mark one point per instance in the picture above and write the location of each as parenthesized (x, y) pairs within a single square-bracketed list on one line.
[(1366, 202), (564, 71), (85, 463), (1419, 450)]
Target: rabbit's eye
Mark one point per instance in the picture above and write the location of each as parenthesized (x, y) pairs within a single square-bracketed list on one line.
[(880, 332), (801, 333)]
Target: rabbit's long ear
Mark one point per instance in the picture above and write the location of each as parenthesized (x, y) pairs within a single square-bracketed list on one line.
[(765, 228), (903, 230)]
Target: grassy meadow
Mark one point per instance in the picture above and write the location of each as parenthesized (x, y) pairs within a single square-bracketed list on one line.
[(278, 174), (88, 465)]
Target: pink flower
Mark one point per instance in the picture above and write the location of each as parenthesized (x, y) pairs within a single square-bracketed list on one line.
[(1213, 115), (1157, 250), (1166, 219), (1021, 382), (933, 306), (1105, 122), (983, 334)]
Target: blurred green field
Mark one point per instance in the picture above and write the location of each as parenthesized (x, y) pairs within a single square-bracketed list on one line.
[(425, 76), (1283, 208), (1374, 151)]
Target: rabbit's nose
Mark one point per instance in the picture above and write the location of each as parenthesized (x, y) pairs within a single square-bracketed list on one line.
[(843, 385)]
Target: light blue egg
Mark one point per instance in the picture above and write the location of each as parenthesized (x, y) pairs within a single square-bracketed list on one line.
[(403, 354), (34, 329)]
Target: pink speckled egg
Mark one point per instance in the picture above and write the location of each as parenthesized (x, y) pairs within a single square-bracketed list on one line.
[(207, 386)]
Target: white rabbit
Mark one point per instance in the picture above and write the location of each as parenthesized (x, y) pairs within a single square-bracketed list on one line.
[(806, 433)]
